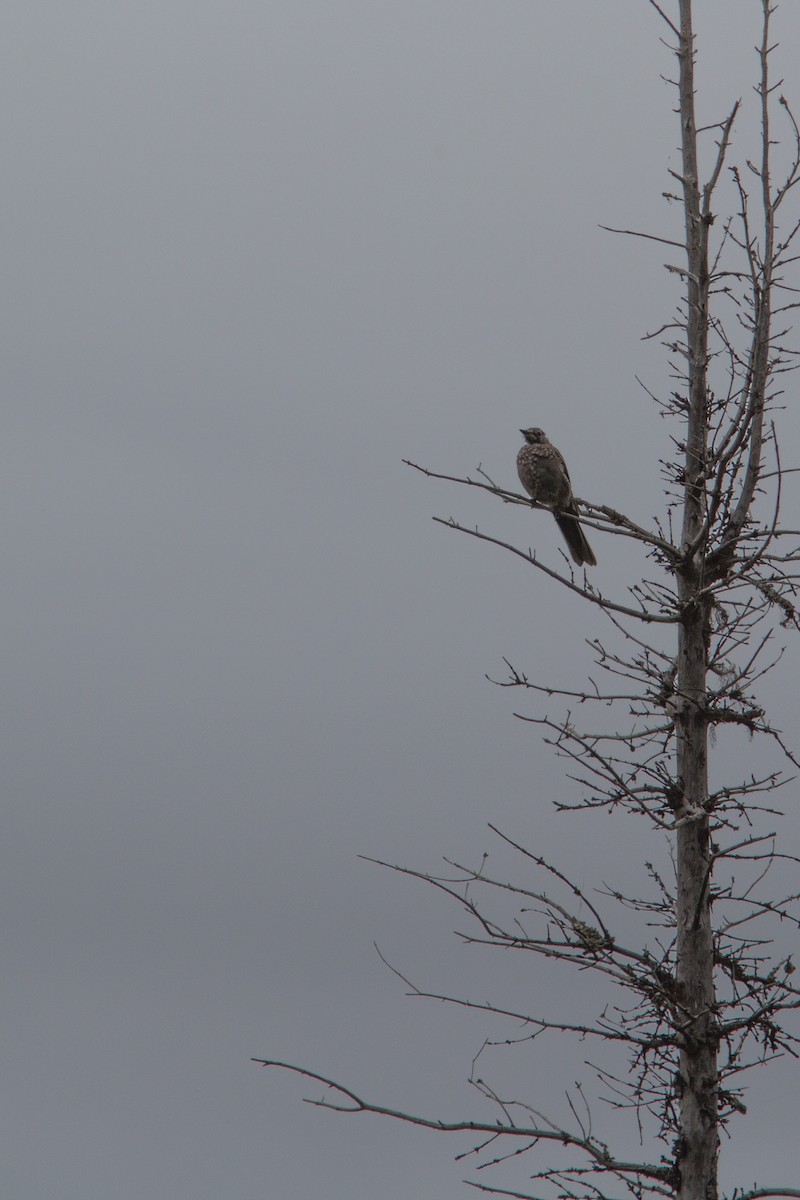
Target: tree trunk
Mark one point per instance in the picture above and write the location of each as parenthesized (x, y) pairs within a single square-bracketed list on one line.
[(697, 1081)]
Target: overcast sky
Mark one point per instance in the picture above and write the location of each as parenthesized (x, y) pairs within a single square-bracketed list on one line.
[(254, 255)]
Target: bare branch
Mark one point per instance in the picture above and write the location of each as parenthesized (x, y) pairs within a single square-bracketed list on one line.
[(636, 233), (593, 1149)]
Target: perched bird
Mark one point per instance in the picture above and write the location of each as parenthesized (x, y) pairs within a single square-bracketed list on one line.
[(544, 475)]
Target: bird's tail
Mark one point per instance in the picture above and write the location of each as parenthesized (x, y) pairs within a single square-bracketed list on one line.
[(575, 538)]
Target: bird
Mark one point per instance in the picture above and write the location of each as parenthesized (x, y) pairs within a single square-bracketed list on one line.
[(544, 475)]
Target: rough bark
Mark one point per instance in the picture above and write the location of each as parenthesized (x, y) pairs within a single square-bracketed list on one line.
[(697, 1080)]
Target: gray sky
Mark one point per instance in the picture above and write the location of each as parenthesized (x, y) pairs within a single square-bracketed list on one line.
[(255, 254)]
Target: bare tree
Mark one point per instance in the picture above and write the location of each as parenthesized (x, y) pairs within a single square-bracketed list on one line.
[(699, 995)]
